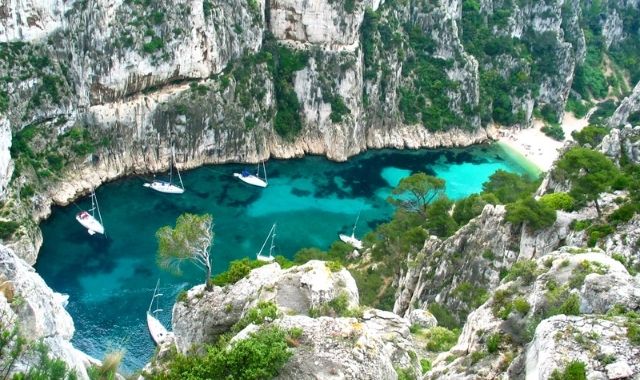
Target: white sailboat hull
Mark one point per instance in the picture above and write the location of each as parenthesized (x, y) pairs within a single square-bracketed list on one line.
[(90, 223), (158, 332), (351, 240), (267, 259), (164, 187), (251, 180)]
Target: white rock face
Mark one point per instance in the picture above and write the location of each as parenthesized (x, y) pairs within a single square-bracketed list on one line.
[(624, 140), (619, 370), (348, 348), (324, 23), (629, 105), (6, 167), (560, 339), (28, 20), (294, 290), (422, 318), (40, 312)]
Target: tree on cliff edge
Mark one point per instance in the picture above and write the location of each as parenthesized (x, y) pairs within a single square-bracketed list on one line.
[(590, 173), (190, 240), (415, 192)]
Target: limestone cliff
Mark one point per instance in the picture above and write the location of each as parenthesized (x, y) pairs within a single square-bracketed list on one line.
[(27, 302), (371, 344), (530, 345)]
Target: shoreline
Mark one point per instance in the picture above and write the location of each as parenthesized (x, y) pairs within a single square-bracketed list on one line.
[(536, 147)]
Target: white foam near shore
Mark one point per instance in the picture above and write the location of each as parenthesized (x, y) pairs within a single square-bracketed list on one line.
[(537, 147)]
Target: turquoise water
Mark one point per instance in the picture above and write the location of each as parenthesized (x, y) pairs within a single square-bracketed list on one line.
[(110, 280)]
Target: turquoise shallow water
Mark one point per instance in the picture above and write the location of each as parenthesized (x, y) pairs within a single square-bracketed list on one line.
[(110, 280)]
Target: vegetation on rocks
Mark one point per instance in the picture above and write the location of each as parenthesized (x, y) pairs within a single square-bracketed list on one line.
[(260, 356)]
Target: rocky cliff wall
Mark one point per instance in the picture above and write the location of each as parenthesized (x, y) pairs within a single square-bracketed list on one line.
[(26, 301)]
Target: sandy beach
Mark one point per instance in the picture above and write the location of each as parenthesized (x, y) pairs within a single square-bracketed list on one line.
[(537, 147)]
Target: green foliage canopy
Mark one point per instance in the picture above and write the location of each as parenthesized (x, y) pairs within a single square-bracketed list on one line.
[(190, 240), (590, 173)]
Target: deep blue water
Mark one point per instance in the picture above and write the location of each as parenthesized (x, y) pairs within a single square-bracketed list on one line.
[(110, 280)]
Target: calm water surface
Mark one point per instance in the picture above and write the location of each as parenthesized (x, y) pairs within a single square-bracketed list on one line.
[(110, 280)]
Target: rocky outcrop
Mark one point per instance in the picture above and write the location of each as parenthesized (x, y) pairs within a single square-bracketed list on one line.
[(28, 20), (625, 241), (475, 254), (6, 167), (349, 348), (333, 25), (558, 339), (39, 312), (294, 291), (622, 142), (595, 341), (629, 105), (369, 346)]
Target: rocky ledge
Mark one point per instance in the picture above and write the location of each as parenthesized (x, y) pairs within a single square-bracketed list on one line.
[(367, 344)]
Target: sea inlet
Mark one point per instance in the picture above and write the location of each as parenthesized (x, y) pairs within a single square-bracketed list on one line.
[(110, 279)]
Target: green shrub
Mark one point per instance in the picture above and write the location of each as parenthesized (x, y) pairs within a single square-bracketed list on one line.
[(405, 374), (554, 131), (337, 307), (264, 311), (349, 5), (535, 214), (493, 342), (509, 187), (238, 269), (260, 356), (334, 266), (440, 339), (521, 305), (338, 109), (579, 108), (558, 201), (596, 232), (468, 208), (154, 45), (591, 134), (581, 271), (488, 255), (575, 370), (527, 270), (425, 364), (624, 213), (633, 332), (473, 296), (443, 316), (560, 301), (7, 228)]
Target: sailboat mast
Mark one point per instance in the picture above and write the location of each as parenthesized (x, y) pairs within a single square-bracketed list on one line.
[(265, 171), (155, 291), (97, 207), (178, 171), (353, 232), (265, 243), (273, 236), (171, 166)]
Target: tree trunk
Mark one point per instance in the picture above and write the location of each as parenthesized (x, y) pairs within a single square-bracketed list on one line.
[(595, 201), (207, 281)]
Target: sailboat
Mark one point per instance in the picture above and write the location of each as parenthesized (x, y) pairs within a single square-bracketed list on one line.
[(272, 234), (157, 331), (88, 218), (352, 239), (168, 187), (251, 179)]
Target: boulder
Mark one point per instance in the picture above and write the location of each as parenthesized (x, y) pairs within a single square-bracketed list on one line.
[(205, 315)]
